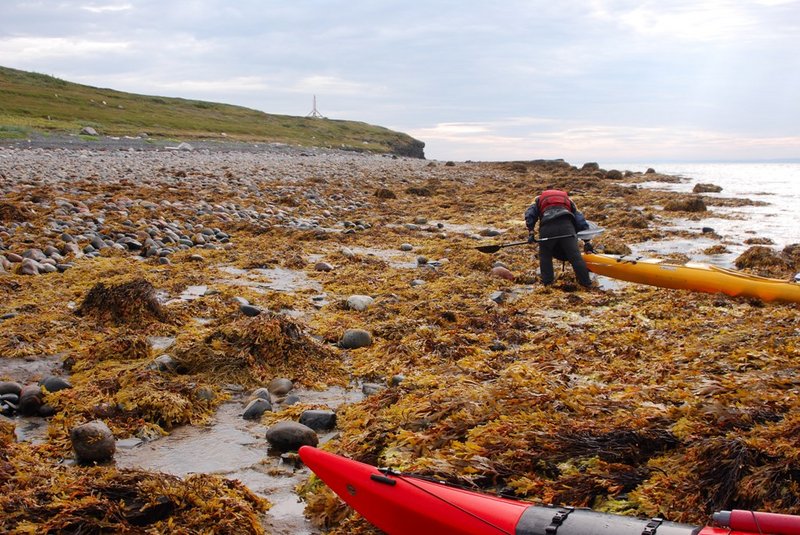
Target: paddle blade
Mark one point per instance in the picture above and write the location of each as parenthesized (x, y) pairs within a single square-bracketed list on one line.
[(489, 248)]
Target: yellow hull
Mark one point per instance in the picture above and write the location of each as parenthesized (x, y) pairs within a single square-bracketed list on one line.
[(692, 276)]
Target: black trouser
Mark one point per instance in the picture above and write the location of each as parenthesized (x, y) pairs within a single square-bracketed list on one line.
[(567, 247)]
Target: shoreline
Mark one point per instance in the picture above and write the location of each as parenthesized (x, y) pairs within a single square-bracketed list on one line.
[(248, 263)]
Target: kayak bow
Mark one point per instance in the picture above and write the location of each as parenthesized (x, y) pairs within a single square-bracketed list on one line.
[(406, 504)]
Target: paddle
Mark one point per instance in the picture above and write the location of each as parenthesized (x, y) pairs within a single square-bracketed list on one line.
[(587, 234), (497, 247)]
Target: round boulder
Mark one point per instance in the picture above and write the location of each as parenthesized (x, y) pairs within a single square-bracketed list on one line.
[(289, 436), (10, 387), (256, 408), (355, 338), (318, 420), (93, 442), (262, 393), (503, 273), (30, 400), (54, 383), (359, 302), (280, 386)]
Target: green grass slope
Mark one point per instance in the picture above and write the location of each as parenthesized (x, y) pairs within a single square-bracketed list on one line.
[(32, 101)]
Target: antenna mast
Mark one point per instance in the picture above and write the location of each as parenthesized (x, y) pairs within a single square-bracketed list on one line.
[(315, 114)]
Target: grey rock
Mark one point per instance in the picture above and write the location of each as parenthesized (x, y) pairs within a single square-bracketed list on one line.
[(256, 408), (323, 266), (89, 131), (406, 247), (10, 397), (289, 436), (93, 442), (318, 420), (347, 253), (47, 268), (53, 383), (498, 296), (46, 411), (417, 282), (30, 267), (262, 393), (30, 400), (397, 379), (10, 387), (280, 386), (355, 338), (371, 388), (422, 260), (204, 393), (250, 310), (359, 302), (291, 399)]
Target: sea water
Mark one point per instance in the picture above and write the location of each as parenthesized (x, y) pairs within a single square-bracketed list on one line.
[(776, 185)]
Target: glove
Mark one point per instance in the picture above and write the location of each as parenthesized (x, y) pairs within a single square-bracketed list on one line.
[(531, 238), (587, 247)]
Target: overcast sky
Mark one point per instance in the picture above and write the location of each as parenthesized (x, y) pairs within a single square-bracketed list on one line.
[(584, 80)]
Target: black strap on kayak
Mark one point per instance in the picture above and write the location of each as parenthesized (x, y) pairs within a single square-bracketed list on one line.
[(652, 526), (408, 479), (557, 520)]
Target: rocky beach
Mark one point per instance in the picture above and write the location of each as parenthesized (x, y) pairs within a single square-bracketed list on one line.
[(314, 296)]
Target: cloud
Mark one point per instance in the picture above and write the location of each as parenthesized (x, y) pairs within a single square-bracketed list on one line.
[(37, 48), (333, 85), (107, 8)]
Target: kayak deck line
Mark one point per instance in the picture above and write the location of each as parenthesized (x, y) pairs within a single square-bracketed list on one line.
[(401, 503)]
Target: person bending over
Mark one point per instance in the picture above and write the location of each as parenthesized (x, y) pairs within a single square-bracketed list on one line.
[(560, 219)]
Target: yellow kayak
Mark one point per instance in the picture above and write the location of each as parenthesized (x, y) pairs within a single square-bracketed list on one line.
[(692, 276)]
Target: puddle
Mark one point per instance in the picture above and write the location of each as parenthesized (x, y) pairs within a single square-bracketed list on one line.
[(235, 448), (25, 371), (30, 369), (193, 292), (263, 279), (31, 429)]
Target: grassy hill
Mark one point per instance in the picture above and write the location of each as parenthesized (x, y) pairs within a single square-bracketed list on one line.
[(37, 102)]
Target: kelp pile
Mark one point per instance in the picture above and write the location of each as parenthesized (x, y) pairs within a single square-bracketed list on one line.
[(131, 301), (37, 497), (634, 400), (251, 351)]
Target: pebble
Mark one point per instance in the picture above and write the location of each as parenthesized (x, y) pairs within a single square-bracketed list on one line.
[(318, 420), (503, 273), (249, 310), (53, 383), (406, 247), (256, 408), (371, 388), (30, 400), (93, 442), (355, 338), (359, 303), (290, 436), (280, 386)]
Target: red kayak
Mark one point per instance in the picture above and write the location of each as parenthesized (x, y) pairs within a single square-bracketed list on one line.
[(406, 504)]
